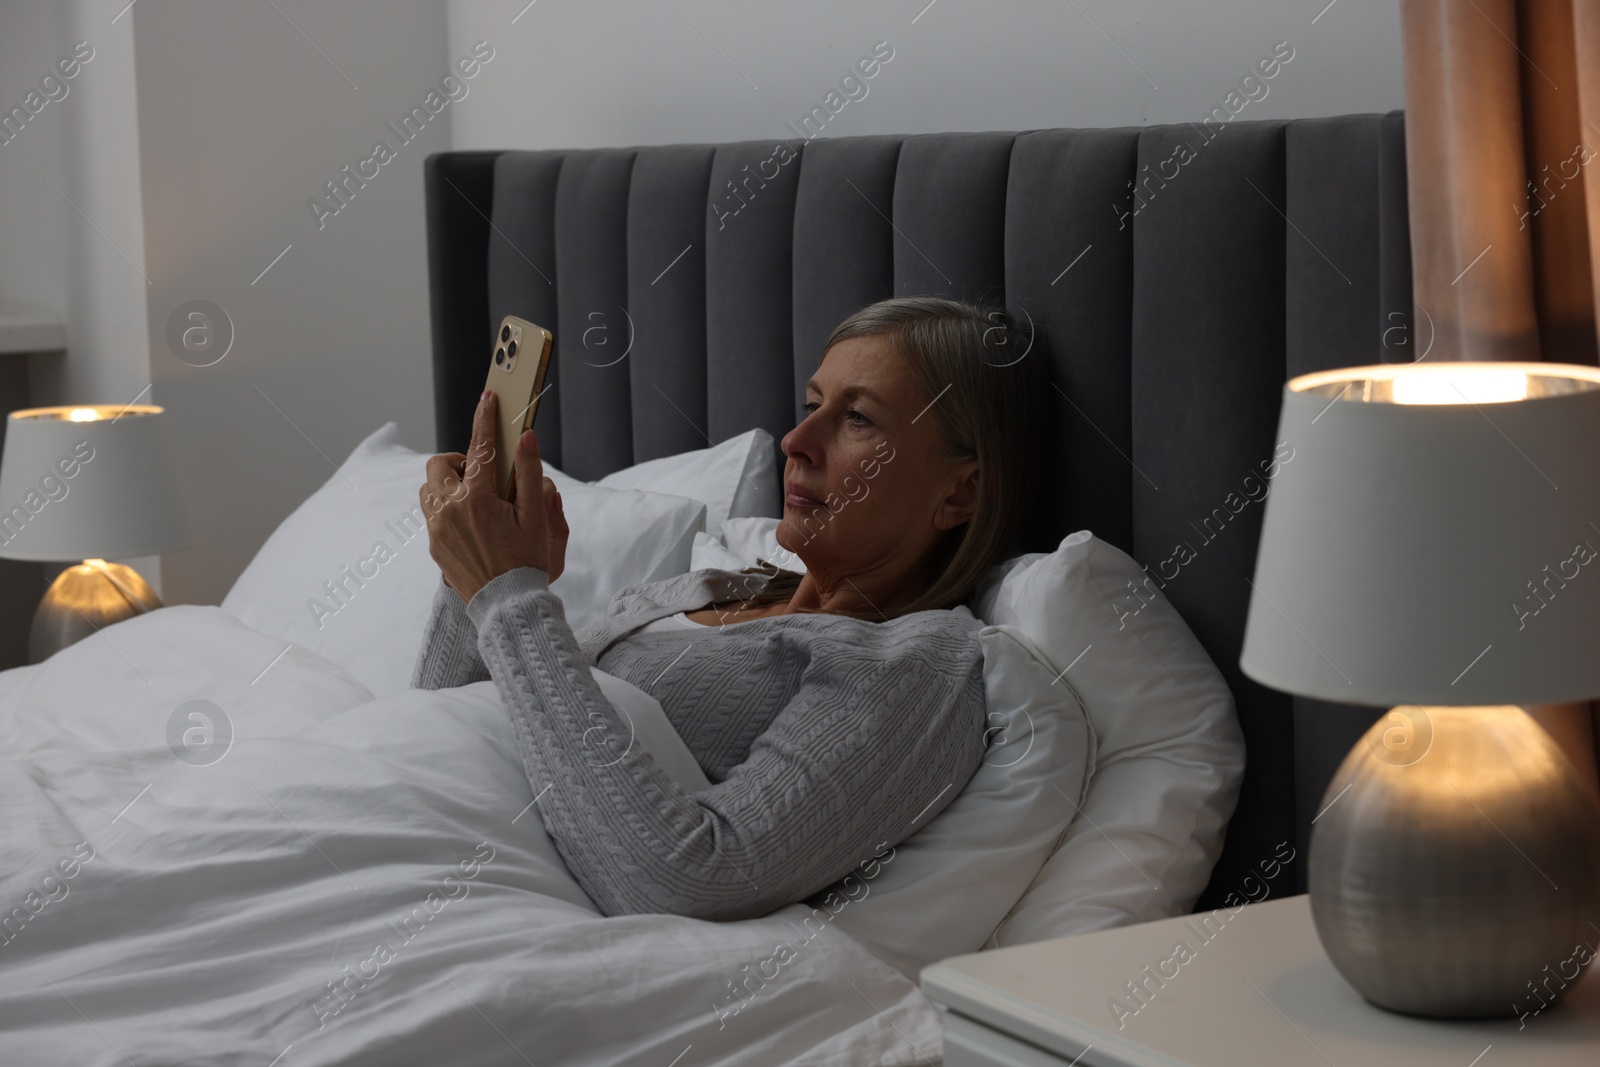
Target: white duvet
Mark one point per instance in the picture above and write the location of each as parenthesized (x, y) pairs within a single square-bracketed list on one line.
[(352, 880)]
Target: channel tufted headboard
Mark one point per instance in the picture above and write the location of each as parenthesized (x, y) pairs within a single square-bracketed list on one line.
[(1178, 275)]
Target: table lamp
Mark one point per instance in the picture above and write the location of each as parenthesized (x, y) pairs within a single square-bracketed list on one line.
[(87, 483), (1434, 544)]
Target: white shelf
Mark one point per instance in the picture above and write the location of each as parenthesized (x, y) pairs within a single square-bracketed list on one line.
[(24, 330)]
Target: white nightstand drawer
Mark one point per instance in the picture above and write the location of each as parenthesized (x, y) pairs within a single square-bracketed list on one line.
[(970, 1044)]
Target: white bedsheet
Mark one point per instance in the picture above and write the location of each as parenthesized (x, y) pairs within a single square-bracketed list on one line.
[(224, 900)]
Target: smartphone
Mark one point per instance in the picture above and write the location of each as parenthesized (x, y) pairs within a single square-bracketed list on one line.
[(517, 369)]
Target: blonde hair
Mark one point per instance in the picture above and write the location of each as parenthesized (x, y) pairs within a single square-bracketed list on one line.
[(988, 386)]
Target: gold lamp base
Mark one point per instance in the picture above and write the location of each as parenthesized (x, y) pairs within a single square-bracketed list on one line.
[(1455, 865), (83, 599)]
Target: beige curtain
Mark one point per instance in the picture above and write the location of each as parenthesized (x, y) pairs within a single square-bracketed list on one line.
[(1503, 172), (1503, 178)]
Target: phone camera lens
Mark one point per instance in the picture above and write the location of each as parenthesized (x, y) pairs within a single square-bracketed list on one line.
[(499, 356), (505, 333), (511, 349)]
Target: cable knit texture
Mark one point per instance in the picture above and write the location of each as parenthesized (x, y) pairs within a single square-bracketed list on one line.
[(826, 738)]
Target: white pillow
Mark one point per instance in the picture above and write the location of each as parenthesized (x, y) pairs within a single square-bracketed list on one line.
[(757, 539), (364, 531), (951, 883), (620, 537), (743, 543), (1169, 750), (709, 552), (735, 478)]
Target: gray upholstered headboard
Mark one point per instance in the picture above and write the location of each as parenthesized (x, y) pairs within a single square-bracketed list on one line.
[(1178, 274)]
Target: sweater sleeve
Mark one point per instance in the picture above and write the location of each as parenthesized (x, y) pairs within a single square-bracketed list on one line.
[(449, 654), (882, 734)]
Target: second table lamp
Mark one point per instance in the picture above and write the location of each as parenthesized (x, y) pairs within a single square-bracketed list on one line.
[(87, 483), (1433, 546)]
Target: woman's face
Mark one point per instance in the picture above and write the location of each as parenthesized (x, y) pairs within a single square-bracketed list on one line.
[(867, 487)]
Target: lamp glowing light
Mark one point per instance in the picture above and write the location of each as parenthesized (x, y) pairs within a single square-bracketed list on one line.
[(1445, 385)]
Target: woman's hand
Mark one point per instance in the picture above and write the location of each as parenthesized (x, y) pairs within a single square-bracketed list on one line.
[(473, 535)]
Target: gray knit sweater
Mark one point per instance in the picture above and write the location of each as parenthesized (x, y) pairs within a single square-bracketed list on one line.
[(826, 738)]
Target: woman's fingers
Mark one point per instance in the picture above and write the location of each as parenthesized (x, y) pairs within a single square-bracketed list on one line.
[(443, 483), (474, 535), (556, 525), (552, 507), (528, 475), (479, 473), (444, 466)]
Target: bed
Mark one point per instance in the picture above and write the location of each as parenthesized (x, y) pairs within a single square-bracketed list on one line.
[(1280, 249), (334, 896)]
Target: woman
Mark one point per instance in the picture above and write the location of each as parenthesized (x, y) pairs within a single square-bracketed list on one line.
[(835, 713)]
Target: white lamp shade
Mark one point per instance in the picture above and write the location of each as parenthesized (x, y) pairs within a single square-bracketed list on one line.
[(1433, 540), (89, 481)]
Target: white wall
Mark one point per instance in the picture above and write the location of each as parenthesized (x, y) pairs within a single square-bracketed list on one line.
[(244, 114), (31, 214), (195, 137), (71, 232), (107, 281), (191, 143), (619, 72), (71, 235)]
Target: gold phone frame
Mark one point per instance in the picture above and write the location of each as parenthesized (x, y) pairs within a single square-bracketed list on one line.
[(517, 376)]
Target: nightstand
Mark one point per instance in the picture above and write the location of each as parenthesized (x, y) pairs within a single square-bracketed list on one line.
[(1249, 989)]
